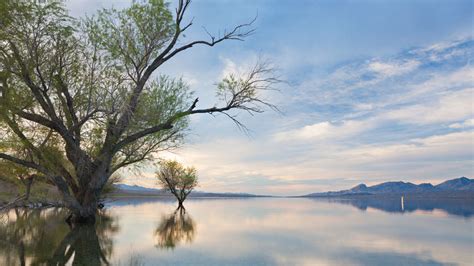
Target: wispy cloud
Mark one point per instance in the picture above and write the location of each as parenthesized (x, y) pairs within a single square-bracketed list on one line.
[(416, 127), (469, 123), (357, 110), (447, 107), (387, 69), (325, 130)]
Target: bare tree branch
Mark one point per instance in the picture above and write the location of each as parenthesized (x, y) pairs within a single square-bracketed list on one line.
[(242, 94), (237, 33)]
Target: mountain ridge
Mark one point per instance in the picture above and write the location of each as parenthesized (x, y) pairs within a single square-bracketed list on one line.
[(135, 190), (453, 186), (462, 184)]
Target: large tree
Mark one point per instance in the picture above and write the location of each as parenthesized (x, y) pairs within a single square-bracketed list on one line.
[(91, 83)]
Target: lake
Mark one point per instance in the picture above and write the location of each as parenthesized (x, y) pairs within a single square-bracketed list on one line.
[(248, 231)]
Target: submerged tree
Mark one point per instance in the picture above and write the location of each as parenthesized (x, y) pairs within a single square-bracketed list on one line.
[(177, 179), (90, 83)]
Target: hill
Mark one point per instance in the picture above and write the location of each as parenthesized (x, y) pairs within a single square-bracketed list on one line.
[(123, 190), (462, 185)]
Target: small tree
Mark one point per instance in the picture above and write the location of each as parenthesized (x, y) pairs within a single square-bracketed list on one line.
[(177, 179)]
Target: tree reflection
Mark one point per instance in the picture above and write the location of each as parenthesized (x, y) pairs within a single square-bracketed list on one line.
[(42, 237), (174, 229)]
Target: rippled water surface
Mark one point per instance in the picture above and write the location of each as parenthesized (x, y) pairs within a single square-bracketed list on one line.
[(255, 231)]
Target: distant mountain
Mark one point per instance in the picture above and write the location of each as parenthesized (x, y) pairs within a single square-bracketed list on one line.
[(134, 190), (462, 184)]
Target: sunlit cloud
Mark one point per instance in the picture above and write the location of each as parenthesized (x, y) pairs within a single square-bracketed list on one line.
[(352, 112), (392, 132)]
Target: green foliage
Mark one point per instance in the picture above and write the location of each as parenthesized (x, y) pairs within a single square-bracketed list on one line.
[(164, 96), (177, 179), (133, 36), (10, 172), (79, 99), (160, 101), (93, 59)]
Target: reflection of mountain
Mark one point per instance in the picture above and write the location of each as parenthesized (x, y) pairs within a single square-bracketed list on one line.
[(175, 228), (453, 206), (43, 238), (460, 186)]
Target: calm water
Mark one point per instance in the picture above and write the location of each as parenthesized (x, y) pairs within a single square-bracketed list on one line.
[(261, 231)]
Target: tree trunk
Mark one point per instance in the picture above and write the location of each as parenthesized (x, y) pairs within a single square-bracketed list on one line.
[(83, 203), (88, 196), (87, 211), (86, 215), (28, 183)]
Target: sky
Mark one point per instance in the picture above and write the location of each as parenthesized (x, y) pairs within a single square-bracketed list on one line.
[(375, 91)]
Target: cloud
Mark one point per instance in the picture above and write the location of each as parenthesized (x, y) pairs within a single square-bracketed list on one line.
[(392, 80), (437, 83), (449, 107), (79, 8), (404, 117), (269, 167), (325, 130), (438, 147), (446, 50), (239, 65), (465, 124), (387, 69)]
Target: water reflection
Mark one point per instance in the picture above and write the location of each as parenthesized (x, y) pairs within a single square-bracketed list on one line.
[(42, 237), (453, 206), (261, 231), (175, 228)]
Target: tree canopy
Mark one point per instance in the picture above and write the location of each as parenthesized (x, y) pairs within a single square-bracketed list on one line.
[(87, 88), (177, 179)]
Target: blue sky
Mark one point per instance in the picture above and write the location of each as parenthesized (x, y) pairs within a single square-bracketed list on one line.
[(377, 91)]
